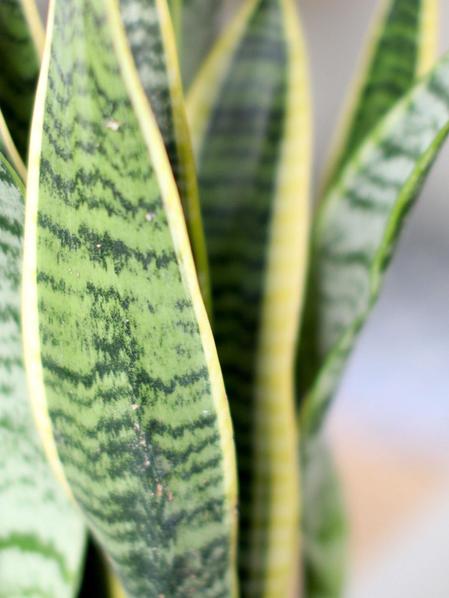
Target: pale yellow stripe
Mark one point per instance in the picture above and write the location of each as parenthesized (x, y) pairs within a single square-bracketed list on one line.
[(114, 585), (429, 36), (276, 432), (204, 91), (185, 151), (30, 315), (34, 21), (11, 149), (176, 222)]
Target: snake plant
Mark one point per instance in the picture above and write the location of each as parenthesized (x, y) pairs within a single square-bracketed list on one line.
[(174, 315)]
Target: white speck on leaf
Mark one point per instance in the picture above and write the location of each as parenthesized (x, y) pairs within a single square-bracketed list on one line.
[(149, 216), (113, 125)]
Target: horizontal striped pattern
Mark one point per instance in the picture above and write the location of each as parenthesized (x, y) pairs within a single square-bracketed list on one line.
[(41, 534), (402, 47), (18, 72), (250, 116), (153, 46), (357, 230), (130, 376)]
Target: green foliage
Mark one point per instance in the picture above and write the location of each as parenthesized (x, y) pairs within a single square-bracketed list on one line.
[(197, 24), (135, 403), (324, 524), (356, 230), (245, 139), (123, 330), (41, 534), (19, 71)]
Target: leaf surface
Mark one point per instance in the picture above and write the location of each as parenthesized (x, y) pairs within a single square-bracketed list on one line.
[(357, 229), (125, 377), (8, 148), (249, 111), (21, 38), (324, 524), (41, 532), (402, 48), (197, 25), (153, 46)]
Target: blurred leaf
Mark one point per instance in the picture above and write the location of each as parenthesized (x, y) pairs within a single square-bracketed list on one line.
[(41, 534), (250, 119), (324, 524), (125, 377), (153, 46), (197, 25), (8, 148), (356, 231), (402, 48), (21, 39)]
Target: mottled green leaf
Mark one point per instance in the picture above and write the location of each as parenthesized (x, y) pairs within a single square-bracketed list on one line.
[(197, 25), (324, 524), (41, 533), (356, 231), (402, 48), (119, 353), (21, 40), (249, 112), (153, 46)]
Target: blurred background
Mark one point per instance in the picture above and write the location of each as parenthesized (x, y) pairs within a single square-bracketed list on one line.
[(389, 426)]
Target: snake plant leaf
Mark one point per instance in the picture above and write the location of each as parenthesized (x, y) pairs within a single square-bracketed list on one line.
[(21, 38), (41, 532), (8, 148), (357, 229), (401, 50), (249, 112), (122, 368), (324, 523), (153, 46), (197, 25)]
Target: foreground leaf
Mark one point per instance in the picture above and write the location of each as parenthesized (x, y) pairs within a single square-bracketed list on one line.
[(401, 50), (197, 24), (21, 39), (41, 534), (153, 46), (356, 232), (120, 357), (250, 119), (324, 524)]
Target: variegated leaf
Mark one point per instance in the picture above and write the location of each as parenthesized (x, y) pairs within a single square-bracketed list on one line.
[(356, 232), (41, 532), (153, 46), (122, 366), (249, 111)]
